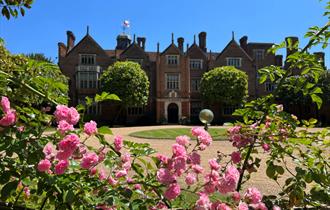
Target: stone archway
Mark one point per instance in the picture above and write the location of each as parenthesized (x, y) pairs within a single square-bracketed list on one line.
[(173, 113)]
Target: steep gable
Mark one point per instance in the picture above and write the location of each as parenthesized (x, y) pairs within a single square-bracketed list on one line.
[(172, 49), (195, 51), (87, 45), (134, 51), (233, 50)]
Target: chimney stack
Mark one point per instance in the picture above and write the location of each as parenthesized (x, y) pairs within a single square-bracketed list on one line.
[(202, 40), (243, 42), (141, 42), (290, 49), (320, 56), (180, 43), (70, 40), (61, 50)]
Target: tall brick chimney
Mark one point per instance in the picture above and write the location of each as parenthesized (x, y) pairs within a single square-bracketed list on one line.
[(180, 43), (320, 56), (202, 40), (141, 42), (291, 49), (61, 50), (70, 40), (243, 42)]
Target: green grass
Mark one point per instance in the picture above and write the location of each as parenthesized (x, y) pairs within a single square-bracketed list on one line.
[(171, 133)]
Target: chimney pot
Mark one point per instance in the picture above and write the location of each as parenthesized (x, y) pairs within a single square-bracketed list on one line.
[(70, 40), (202, 40), (180, 43)]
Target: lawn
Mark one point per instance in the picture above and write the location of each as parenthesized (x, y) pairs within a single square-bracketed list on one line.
[(171, 133)]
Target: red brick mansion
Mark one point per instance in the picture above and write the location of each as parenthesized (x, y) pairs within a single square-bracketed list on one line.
[(174, 74)]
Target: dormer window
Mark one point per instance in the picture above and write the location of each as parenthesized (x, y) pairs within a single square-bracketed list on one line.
[(196, 64), (259, 54), (236, 62), (87, 59), (172, 59)]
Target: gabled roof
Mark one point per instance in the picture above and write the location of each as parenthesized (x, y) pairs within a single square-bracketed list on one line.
[(132, 47), (172, 46), (233, 42), (87, 38), (196, 47)]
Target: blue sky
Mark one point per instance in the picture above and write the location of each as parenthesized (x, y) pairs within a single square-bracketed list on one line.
[(261, 20)]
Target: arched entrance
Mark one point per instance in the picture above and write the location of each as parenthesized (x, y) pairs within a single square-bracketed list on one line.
[(173, 113)]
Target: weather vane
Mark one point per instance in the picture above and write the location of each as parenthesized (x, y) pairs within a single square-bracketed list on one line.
[(126, 25)]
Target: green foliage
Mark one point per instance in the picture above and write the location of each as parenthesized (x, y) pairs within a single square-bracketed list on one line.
[(128, 81), (12, 8), (23, 77), (224, 84), (39, 57)]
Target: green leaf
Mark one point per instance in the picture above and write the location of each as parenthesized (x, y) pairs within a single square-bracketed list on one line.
[(262, 78), (104, 130), (317, 99), (68, 196), (8, 188)]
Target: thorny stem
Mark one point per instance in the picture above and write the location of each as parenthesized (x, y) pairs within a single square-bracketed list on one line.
[(287, 73)]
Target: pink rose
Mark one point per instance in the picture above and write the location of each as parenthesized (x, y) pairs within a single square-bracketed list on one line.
[(234, 130), (172, 191), (229, 180), (190, 179), (195, 158), (179, 165), (197, 169), (48, 151), (73, 116), (61, 166), (203, 202), (252, 195), (44, 165), (196, 131), (69, 143), (164, 176), (182, 140), (61, 112), (26, 191), (118, 142), (102, 175), (236, 157), (220, 206), (276, 208), (214, 164), (121, 173), (63, 126), (243, 206), (112, 181), (126, 158), (236, 196), (89, 160), (90, 128), (266, 147), (137, 187), (68, 114), (162, 158), (5, 104), (92, 171), (8, 119), (259, 206), (205, 138), (178, 150)]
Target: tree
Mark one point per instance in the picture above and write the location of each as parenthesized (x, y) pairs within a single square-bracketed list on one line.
[(128, 81), (39, 57), (224, 84), (11, 8)]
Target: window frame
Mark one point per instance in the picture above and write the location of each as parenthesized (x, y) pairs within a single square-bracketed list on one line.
[(167, 81), (172, 56), (82, 56), (194, 60), (234, 58)]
